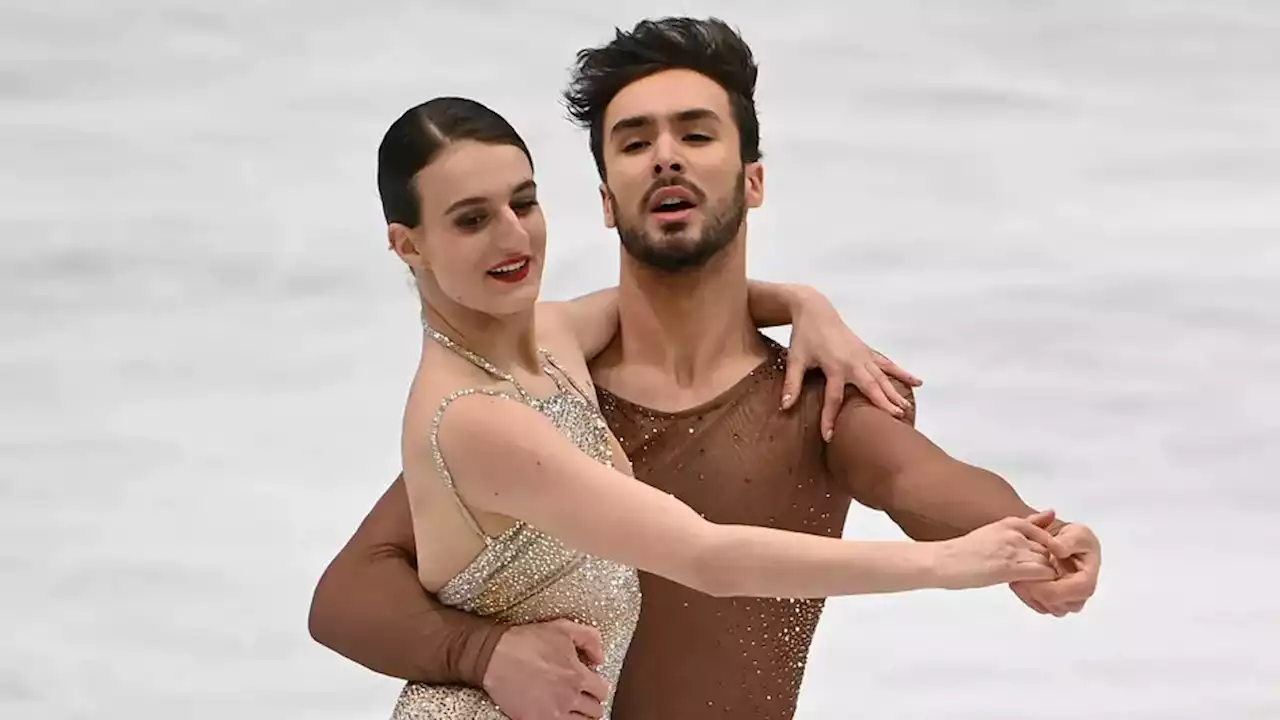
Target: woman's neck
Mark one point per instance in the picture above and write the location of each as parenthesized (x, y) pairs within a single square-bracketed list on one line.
[(509, 342)]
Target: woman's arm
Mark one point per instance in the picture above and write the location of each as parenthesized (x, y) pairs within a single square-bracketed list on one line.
[(594, 317), (507, 458), (819, 339)]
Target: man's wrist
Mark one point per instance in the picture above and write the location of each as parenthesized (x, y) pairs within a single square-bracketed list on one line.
[(478, 652)]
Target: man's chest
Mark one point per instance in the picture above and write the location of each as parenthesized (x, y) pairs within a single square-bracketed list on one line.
[(731, 467)]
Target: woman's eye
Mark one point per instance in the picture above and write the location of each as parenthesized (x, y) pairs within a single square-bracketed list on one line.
[(469, 222)]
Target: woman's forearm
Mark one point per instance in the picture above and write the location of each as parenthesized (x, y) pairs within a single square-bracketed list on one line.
[(773, 304), (594, 316), (749, 561)]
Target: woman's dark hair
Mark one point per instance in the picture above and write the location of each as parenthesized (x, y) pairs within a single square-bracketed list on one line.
[(418, 136), (709, 47)]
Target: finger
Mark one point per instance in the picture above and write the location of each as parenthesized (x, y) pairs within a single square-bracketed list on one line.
[(1037, 606), (1043, 518), (1074, 588), (586, 639), (1074, 607), (1030, 571), (594, 686), (833, 399), (1036, 555), (797, 364), (892, 368), (887, 387), (1056, 596), (1086, 561), (866, 382), (1068, 566), (1027, 596), (588, 706), (1056, 609), (591, 650), (1042, 536)]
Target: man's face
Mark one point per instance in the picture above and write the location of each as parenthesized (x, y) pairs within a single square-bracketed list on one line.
[(675, 185)]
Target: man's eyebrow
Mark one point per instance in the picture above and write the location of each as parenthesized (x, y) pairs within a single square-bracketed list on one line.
[(636, 122)]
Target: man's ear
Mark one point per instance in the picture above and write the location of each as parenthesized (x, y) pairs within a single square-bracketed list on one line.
[(753, 176), (609, 220)]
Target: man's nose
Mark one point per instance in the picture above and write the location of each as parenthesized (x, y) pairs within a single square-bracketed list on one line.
[(667, 160)]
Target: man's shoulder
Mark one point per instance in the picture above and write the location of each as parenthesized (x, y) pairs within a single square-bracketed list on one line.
[(853, 398), (814, 387)]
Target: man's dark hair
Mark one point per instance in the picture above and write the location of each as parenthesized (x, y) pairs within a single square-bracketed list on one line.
[(709, 47), (418, 136)]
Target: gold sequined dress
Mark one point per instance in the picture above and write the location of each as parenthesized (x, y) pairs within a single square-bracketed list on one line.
[(524, 575)]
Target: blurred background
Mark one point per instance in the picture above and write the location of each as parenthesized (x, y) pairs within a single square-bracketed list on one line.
[(1065, 217)]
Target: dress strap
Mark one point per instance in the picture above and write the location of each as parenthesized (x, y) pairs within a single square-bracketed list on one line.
[(521, 396), (567, 376), (476, 360), (442, 468)]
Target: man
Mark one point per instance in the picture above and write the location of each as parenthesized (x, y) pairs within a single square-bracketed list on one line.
[(691, 390)]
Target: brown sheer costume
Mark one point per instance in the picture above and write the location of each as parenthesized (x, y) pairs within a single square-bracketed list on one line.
[(737, 459)]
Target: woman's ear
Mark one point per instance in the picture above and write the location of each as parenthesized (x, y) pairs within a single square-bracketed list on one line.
[(407, 243)]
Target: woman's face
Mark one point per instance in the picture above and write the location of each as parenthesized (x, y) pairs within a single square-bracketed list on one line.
[(482, 237)]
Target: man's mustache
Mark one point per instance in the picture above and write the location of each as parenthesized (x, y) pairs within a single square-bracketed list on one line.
[(672, 182)]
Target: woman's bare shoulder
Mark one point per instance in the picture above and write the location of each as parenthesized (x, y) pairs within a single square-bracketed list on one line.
[(436, 386), (555, 332), (557, 337)]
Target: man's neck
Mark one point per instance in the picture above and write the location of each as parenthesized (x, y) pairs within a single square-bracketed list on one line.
[(686, 325)]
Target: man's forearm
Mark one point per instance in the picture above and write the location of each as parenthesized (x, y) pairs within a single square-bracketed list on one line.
[(948, 498), (370, 607), (886, 464), (371, 622)]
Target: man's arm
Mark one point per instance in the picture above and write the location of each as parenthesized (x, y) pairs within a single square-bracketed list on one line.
[(886, 464), (370, 607)]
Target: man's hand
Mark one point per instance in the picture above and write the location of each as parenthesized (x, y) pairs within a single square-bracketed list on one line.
[(540, 672), (819, 338), (1079, 580)]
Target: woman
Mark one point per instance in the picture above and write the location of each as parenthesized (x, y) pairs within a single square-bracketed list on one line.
[(522, 502)]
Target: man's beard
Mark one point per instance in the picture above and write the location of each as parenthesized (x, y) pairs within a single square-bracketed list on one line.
[(677, 252)]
